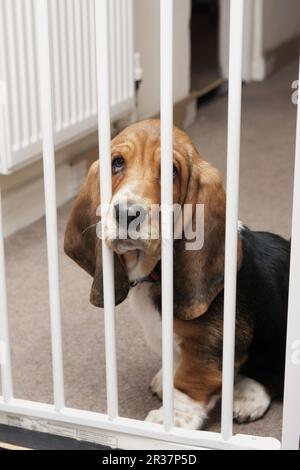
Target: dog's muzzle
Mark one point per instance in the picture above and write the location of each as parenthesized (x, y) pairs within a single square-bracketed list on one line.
[(128, 217)]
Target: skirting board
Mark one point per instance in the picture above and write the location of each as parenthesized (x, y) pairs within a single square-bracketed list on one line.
[(282, 55), (185, 110), (275, 59)]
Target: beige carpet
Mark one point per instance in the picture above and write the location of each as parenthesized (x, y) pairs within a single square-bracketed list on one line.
[(266, 190)]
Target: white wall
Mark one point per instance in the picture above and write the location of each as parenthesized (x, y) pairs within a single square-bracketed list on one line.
[(23, 190), (268, 24), (224, 6), (281, 22), (147, 44)]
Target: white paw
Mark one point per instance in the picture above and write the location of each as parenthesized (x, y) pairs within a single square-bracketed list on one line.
[(156, 416), (156, 385), (188, 414), (251, 400)]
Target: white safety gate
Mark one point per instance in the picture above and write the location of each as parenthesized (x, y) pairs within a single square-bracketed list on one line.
[(115, 430)]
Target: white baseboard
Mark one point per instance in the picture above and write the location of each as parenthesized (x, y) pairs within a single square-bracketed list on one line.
[(259, 69), (25, 205)]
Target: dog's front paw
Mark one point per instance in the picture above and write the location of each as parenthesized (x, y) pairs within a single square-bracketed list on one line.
[(156, 385), (181, 420), (156, 416), (251, 400), (188, 414)]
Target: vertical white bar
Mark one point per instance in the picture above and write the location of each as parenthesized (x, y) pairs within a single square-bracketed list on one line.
[(102, 47), (43, 41), (5, 361), (166, 65), (233, 173), (291, 413)]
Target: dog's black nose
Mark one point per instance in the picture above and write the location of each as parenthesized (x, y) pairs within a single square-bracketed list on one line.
[(125, 214)]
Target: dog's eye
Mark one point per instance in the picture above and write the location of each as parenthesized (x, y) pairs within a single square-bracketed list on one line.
[(175, 171), (118, 164)]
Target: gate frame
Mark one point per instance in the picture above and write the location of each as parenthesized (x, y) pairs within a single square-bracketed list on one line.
[(118, 431)]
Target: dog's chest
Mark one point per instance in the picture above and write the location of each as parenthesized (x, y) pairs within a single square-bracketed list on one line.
[(145, 312), (143, 309)]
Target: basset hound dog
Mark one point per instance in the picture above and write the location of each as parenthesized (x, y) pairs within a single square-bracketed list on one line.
[(263, 276)]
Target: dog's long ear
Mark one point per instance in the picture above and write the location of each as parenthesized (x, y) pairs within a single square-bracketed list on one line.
[(199, 275), (85, 248)]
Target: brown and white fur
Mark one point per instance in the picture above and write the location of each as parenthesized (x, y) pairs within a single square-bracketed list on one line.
[(263, 262)]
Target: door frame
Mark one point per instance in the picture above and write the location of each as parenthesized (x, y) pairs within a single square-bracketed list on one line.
[(254, 63)]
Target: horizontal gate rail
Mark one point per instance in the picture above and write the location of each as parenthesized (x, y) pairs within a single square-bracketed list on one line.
[(198, 439)]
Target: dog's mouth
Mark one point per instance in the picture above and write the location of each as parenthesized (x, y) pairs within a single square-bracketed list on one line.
[(139, 256), (121, 247), (131, 227)]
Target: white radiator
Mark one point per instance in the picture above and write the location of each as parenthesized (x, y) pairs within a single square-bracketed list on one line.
[(74, 73)]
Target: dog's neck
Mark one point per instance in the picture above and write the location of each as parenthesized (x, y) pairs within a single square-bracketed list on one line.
[(153, 278)]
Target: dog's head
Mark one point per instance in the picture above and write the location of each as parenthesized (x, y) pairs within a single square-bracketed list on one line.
[(131, 227)]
